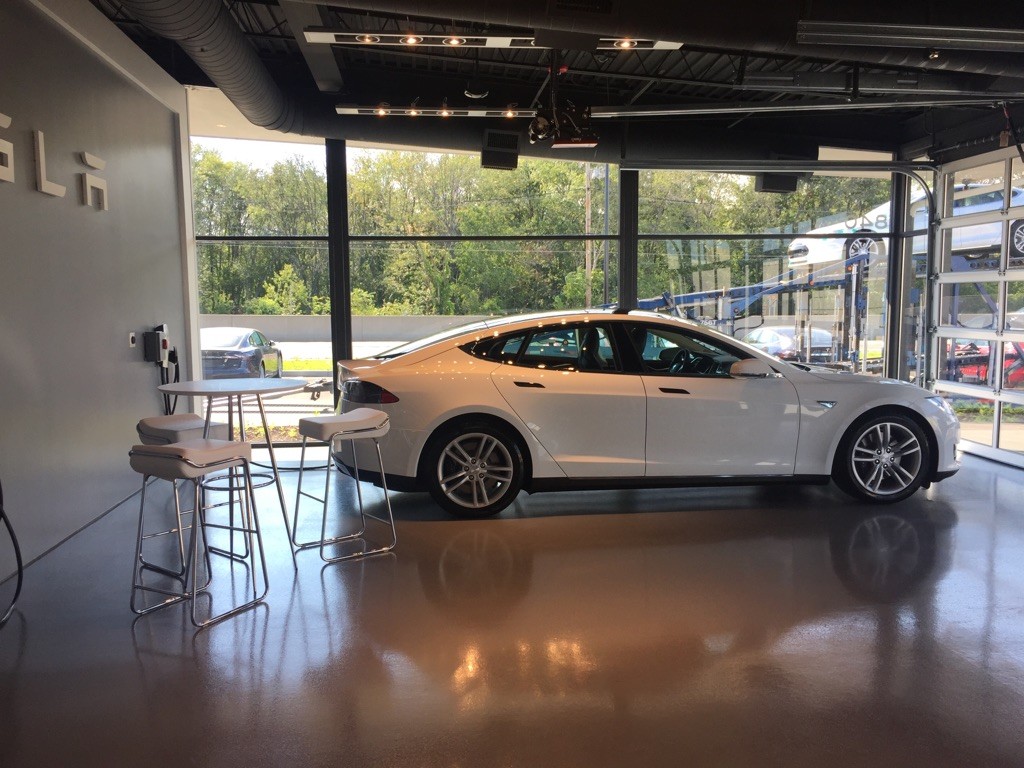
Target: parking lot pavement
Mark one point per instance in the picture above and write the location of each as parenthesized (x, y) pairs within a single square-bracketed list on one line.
[(288, 409)]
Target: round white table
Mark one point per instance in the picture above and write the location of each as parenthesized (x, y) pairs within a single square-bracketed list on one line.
[(234, 390)]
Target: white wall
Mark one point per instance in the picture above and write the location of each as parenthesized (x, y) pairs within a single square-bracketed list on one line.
[(74, 280)]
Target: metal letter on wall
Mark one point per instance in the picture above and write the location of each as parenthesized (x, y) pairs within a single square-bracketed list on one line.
[(42, 183), (6, 152), (94, 184)]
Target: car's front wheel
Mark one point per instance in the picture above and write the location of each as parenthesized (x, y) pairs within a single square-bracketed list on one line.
[(473, 469), (884, 458)]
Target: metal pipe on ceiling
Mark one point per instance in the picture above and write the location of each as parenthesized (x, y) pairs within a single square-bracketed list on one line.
[(206, 31)]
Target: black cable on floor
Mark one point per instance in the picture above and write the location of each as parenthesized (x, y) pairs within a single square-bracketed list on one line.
[(17, 556)]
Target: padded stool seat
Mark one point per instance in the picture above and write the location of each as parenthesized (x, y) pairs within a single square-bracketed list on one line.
[(176, 427), (359, 424), (193, 461)]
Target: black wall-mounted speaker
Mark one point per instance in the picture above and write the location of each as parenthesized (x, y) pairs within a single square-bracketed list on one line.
[(500, 150)]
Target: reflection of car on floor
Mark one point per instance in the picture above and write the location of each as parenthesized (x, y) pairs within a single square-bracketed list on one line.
[(481, 412), (811, 345), (857, 236), (238, 353), (688, 588)]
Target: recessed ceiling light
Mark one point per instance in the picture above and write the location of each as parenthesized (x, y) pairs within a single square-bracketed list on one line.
[(625, 44), (382, 109), (454, 41), (510, 111), (369, 39), (411, 40)]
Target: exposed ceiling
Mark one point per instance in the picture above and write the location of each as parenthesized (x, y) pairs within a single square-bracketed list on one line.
[(735, 79)]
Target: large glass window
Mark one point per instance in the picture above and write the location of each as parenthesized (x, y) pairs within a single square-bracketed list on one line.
[(811, 264), (260, 213)]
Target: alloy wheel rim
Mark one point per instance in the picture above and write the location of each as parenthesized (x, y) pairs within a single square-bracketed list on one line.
[(475, 470), (886, 458), (863, 246)]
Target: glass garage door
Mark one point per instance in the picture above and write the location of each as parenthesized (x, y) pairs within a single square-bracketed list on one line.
[(977, 308)]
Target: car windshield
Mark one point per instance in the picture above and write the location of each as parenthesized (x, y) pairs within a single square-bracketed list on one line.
[(222, 337)]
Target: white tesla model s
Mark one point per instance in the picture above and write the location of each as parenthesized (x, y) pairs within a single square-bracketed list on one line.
[(601, 399)]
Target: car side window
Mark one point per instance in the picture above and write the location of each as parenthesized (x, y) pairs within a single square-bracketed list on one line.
[(582, 347), (680, 353), (585, 347)]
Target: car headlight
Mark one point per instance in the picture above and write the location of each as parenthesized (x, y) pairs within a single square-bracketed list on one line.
[(942, 403)]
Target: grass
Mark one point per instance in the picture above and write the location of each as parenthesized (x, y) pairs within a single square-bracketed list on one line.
[(308, 364)]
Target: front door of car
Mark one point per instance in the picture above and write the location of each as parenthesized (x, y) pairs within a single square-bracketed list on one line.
[(568, 387), (703, 422)]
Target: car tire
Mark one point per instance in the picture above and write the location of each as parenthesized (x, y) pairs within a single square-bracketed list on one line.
[(1017, 239), (280, 367), (473, 468), (864, 245), (884, 458)]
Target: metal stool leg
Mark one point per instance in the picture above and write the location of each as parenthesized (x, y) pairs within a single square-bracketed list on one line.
[(252, 536), (362, 516), (140, 564)]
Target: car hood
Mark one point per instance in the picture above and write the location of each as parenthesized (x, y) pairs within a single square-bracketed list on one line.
[(831, 375)]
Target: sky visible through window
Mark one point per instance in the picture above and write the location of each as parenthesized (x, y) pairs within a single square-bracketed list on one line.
[(262, 154)]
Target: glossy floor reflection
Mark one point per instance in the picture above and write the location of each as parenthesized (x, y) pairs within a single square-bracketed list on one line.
[(706, 627)]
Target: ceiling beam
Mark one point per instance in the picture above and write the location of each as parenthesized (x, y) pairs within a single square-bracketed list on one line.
[(321, 61)]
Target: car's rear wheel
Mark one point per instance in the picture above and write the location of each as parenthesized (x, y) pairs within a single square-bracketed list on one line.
[(1017, 239), (866, 247), (474, 469), (884, 458)]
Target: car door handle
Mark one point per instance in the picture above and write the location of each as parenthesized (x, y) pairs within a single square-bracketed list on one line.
[(674, 391), (529, 384)]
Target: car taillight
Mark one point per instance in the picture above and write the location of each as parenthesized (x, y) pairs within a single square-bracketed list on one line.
[(358, 391)]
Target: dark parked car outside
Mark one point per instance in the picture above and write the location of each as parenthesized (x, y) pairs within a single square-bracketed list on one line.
[(238, 353), (785, 343)]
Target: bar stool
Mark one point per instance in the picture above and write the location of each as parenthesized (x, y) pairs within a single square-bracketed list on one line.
[(174, 428), (195, 461), (360, 424)]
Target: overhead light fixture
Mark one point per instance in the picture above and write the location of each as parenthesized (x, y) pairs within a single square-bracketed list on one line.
[(327, 36), (910, 36), (510, 111), (413, 110), (444, 111), (574, 141), (382, 109)]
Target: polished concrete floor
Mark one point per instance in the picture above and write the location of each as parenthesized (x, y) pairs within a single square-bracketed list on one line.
[(707, 627)]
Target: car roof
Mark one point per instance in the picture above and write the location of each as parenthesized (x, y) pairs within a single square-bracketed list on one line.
[(493, 326)]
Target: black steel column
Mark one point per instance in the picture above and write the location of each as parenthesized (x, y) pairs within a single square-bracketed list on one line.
[(895, 361), (629, 212), (338, 252)]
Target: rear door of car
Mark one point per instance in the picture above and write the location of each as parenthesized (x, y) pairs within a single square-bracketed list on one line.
[(577, 400), (702, 422)]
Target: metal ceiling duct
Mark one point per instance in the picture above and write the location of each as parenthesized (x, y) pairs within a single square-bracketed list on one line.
[(206, 31), (769, 28)]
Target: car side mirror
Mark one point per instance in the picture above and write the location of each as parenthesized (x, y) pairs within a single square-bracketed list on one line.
[(751, 368)]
